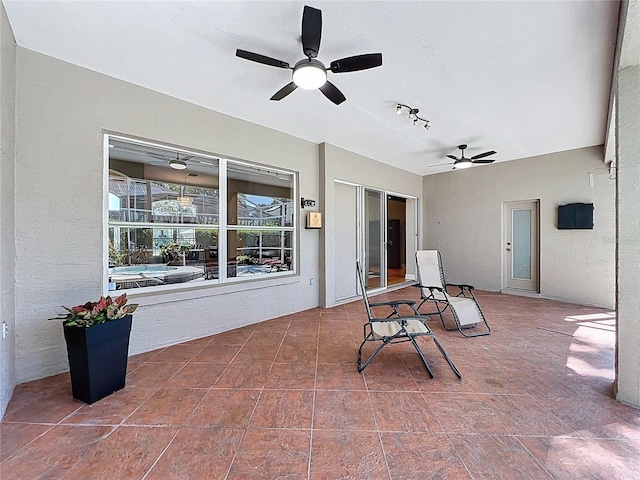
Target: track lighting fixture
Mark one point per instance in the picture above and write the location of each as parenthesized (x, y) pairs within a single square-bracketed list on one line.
[(413, 114)]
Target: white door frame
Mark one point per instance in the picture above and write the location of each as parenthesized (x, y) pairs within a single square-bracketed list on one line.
[(510, 284)]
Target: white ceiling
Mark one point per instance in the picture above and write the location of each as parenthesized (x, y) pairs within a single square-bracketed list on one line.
[(521, 78)]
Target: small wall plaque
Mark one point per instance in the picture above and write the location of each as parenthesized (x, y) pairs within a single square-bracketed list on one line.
[(314, 220)]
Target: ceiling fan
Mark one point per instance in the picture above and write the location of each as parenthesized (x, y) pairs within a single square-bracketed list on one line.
[(310, 73), (464, 162), (180, 162)]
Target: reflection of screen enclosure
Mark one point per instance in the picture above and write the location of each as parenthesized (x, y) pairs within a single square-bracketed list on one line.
[(166, 217)]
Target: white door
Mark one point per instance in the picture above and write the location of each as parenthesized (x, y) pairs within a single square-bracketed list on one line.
[(521, 256), (346, 240)]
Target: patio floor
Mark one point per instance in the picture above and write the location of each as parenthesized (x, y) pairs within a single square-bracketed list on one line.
[(283, 399)]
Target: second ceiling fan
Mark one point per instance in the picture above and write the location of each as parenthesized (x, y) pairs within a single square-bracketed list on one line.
[(464, 162), (310, 73)]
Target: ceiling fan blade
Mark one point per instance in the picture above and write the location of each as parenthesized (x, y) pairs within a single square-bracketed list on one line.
[(311, 31), (439, 164), (358, 62), (452, 157), (332, 93), (284, 91), (256, 57), (482, 155), (482, 161)]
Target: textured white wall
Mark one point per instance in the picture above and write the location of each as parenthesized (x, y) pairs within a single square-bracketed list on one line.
[(7, 220), (463, 219), (628, 184), (339, 164), (62, 113)]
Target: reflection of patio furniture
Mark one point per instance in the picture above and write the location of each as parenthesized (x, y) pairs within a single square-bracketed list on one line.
[(274, 264)]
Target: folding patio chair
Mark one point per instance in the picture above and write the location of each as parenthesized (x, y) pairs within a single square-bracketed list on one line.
[(395, 328), (464, 307)]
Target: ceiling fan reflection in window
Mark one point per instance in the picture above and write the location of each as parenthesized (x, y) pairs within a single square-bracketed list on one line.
[(153, 156)]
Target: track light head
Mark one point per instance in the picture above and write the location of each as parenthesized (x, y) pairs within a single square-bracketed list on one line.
[(398, 109)]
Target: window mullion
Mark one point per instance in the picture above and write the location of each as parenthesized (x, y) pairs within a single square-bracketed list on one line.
[(222, 220)]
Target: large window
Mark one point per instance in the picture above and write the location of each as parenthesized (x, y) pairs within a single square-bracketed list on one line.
[(167, 224)]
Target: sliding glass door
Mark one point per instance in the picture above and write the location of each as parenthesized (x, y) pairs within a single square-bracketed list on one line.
[(377, 228), (374, 239)]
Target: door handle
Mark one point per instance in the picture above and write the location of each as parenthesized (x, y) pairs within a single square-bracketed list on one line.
[(508, 249)]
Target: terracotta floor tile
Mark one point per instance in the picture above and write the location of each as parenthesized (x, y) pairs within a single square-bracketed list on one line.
[(526, 415), (291, 375), (113, 409), (14, 436), (390, 377), (217, 354), (352, 455), (153, 374), (403, 412), (225, 408), (305, 354), (272, 454), (196, 375), (128, 452), (177, 353), (233, 337), (421, 456), (465, 413), (497, 457), (347, 355), (577, 458), (283, 409), (50, 408), (167, 407), (256, 354), (340, 410), (244, 375), (53, 454), (198, 453), (333, 376)]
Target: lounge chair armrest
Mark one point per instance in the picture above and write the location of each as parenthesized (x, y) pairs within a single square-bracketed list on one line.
[(430, 287), (392, 303), (462, 287)]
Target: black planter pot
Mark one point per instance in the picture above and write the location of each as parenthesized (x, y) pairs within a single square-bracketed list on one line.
[(98, 358)]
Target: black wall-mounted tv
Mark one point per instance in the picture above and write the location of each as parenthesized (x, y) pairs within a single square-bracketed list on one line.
[(575, 216)]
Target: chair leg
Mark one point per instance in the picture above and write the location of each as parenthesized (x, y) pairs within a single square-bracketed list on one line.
[(424, 360), (446, 357), (375, 352)]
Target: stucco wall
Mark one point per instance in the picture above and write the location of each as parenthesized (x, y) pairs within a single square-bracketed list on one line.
[(627, 87), (62, 112), (7, 222), (339, 164), (463, 219)]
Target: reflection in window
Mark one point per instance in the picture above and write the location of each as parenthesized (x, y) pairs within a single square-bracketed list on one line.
[(165, 224)]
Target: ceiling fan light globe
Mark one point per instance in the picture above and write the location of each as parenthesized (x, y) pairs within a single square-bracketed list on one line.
[(460, 164), (178, 164), (309, 74)]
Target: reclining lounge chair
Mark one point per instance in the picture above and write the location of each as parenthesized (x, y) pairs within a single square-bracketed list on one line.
[(395, 328), (466, 312)]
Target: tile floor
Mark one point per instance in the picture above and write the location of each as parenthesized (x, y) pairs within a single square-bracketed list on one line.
[(283, 399)]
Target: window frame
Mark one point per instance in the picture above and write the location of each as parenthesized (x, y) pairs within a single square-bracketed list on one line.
[(222, 227)]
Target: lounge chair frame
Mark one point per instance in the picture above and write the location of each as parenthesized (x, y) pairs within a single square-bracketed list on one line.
[(399, 328), (439, 296)]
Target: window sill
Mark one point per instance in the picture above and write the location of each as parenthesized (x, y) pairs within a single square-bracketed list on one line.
[(207, 288)]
